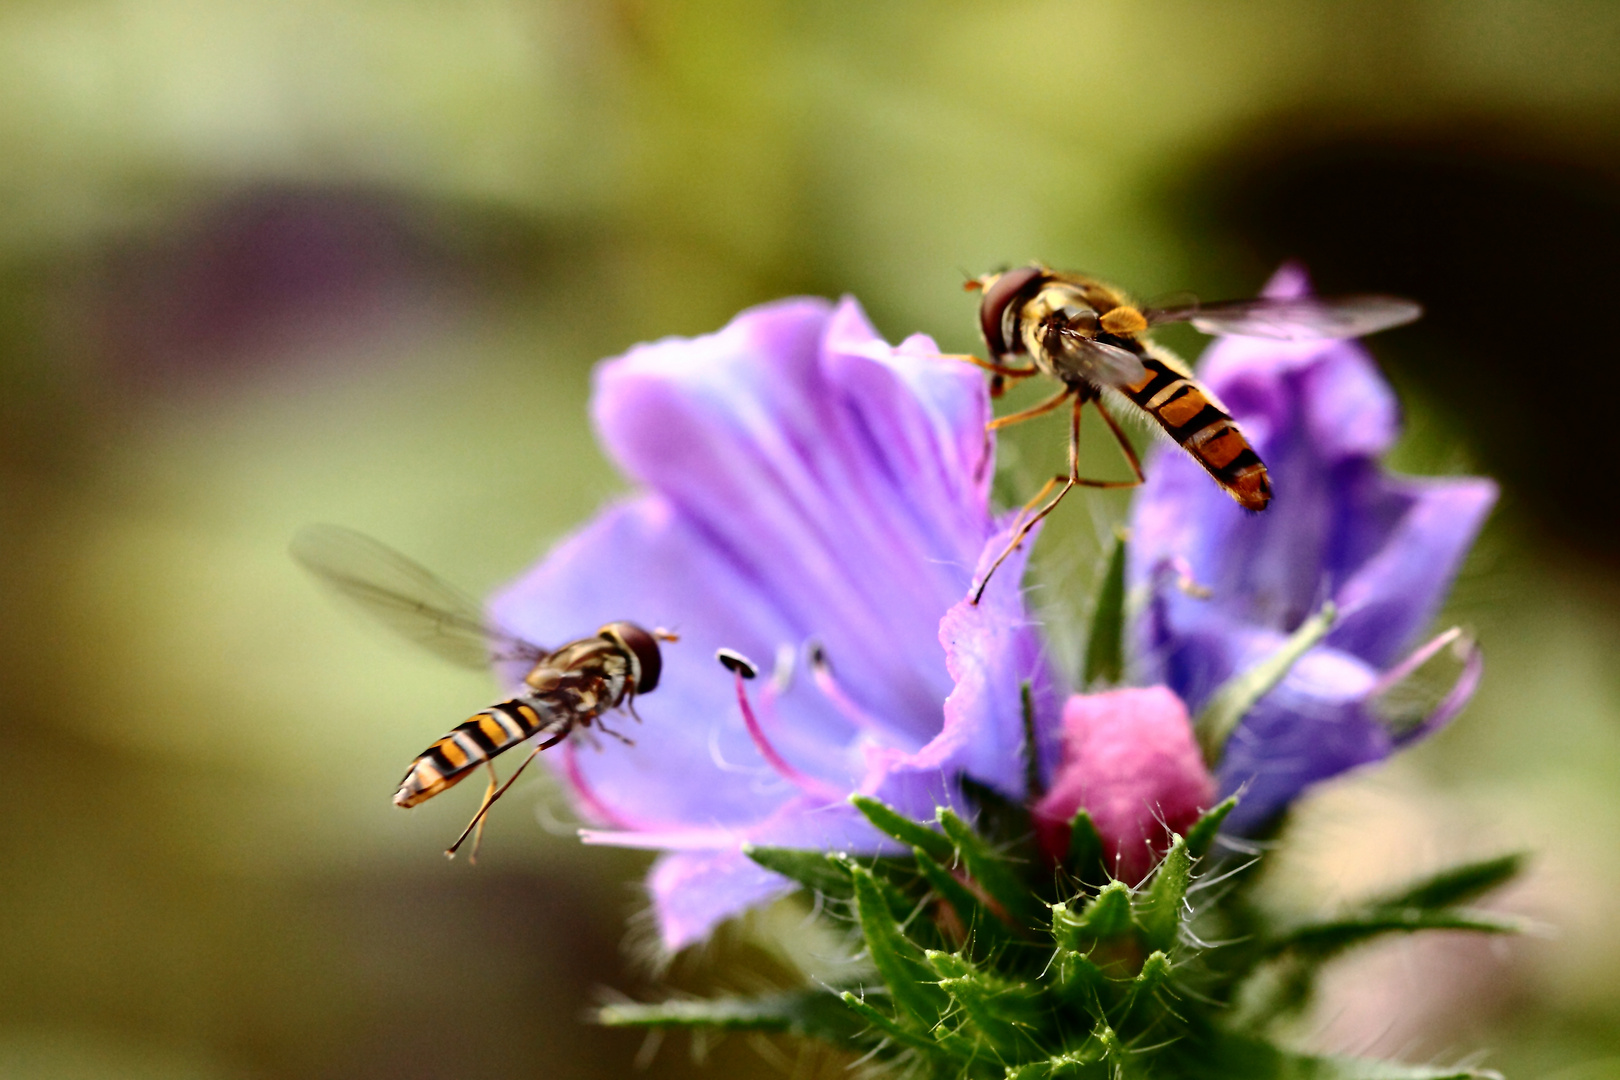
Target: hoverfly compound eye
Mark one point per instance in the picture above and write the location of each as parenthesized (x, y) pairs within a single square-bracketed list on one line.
[(998, 296), (644, 647)]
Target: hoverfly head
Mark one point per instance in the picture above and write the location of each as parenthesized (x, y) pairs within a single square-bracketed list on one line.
[(1000, 292), (642, 648)]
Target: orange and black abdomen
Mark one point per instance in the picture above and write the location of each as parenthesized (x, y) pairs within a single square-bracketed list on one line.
[(448, 761), (1204, 430)]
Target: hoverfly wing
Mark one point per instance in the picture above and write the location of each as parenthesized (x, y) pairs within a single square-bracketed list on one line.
[(1296, 319), (405, 596), (1102, 363)]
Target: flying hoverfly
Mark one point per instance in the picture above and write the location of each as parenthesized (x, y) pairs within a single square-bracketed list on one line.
[(1093, 340), (568, 687)]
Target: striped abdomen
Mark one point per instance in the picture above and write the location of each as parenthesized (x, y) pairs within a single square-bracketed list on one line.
[(448, 761), (1205, 430)]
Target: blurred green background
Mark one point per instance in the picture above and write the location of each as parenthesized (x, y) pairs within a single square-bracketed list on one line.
[(267, 263)]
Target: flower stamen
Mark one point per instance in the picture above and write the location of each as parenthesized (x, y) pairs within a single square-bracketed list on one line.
[(743, 669), (821, 674)]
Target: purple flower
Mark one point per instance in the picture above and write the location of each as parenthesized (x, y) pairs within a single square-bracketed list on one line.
[(807, 491), (1383, 547)]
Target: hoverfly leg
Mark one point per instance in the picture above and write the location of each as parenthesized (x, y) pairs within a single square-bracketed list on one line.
[(1125, 448), (1068, 484), (1004, 371), (1032, 412), (478, 818), (604, 729), (489, 800)]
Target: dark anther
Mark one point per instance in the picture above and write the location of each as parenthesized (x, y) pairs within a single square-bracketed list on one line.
[(736, 662)]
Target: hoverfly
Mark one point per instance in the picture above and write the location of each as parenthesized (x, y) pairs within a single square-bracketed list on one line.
[(1090, 338), (568, 687)]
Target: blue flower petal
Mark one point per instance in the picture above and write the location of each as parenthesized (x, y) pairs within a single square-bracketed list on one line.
[(1384, 548), (806, 483)]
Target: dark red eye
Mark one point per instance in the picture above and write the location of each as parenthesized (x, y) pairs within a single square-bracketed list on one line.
[(645, 648), (1004, 291)]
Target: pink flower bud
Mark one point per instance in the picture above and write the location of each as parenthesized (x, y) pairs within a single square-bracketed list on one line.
[(1129, 760)]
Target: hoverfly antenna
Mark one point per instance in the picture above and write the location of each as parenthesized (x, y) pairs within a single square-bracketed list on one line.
[(736, 663), (665, 635)]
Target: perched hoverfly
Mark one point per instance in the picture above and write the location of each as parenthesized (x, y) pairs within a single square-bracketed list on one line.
[(1092, 339), (568, 687)]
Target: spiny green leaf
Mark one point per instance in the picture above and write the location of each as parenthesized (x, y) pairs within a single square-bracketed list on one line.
[(986, 932), (1085, 849), (814, 1013), (910, 833), (994, 1008), (1322, 939), (815, 870), (1001, 880), (1458, 884), (1238, 1057), (1105, 654), (917, 1000), (1201, 837), (1034, 787), (1160, 912), (893, 878), (1234, 698)]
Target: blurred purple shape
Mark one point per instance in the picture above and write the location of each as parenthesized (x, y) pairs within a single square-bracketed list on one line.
[(1383, 547), (813, 495)]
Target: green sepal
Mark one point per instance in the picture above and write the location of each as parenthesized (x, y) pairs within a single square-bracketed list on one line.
[(1080, 981), (1001, 880), (887, 1026), (1061, 1067), (812, 1013), (998, 819), (1085, 859), (1153, 977), (1105, 652), (1159, 913), (1234, 698), (815, 870), (1108, 914), (897, 879), (1201, 837), (1458, 884), (913, 834), (911, 981)]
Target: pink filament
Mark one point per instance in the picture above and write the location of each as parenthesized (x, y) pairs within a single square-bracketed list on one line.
[(587, 797), (809, 784), (831, 689)]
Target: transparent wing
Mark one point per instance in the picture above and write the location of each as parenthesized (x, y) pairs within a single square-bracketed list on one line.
[(403, 595), (1297, 319), (1102, 363)]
